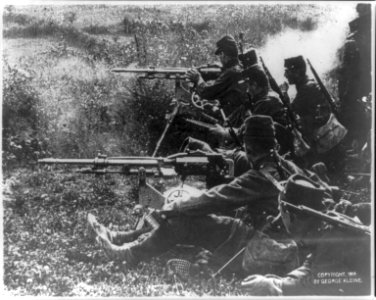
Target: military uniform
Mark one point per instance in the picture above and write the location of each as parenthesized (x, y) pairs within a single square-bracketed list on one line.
[(314, 112), (197, 225), (340, 266), (270, 104), (226, 88), (339, 260), (307, 103), (193, 221), (266, 103), (354, 80)]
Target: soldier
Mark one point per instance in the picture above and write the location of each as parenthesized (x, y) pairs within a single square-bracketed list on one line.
[(262, 101), (314, 112), (355, 76), (338, 261), (195, 223), (225, 88)]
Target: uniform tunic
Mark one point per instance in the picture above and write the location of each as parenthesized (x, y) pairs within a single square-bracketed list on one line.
[(226, 89), (306, 103), (340, 266), (196, 224)]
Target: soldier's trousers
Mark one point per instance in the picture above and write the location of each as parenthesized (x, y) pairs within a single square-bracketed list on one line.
[(221, 235)]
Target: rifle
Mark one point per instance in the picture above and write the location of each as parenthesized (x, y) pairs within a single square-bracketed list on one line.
[(200, 124), (300, 145), (327, 95), (330, 217)]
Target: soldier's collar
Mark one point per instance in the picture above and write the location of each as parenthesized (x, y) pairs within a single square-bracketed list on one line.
[(232, 62), (264, 161), (303, 82)]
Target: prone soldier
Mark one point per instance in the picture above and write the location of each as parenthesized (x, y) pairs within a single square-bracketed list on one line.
[(223, 235), (338, 258), (355, 80)]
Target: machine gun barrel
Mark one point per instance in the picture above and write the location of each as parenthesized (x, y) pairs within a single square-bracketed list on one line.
[(169, 73), (195, 163)]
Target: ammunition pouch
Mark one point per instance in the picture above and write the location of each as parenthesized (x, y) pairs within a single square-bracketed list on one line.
[(329, 135)]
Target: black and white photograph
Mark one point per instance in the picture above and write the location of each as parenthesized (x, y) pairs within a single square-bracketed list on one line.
[(188, 149)]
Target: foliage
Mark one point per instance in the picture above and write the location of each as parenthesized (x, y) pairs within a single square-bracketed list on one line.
[(21, 118), (60, 99), (96, 112), (49, 251)]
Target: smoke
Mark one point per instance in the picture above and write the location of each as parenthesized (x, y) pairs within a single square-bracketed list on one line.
[(319, 45)]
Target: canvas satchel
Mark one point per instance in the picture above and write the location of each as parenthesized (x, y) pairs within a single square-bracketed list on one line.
[(329, 135)]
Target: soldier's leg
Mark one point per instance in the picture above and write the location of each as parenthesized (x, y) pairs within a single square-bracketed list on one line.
[(115, 237), (121, 237), (209, 232)]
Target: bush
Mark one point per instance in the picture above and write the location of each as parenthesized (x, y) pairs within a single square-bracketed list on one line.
[(96, 29), (21, 119), (201, 26)]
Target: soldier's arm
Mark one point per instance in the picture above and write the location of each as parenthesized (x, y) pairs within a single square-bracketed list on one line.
[(243, 190), (221, 85), (297, 282)]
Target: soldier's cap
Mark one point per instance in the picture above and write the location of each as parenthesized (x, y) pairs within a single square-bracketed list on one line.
[(257, 74), (301, 190), (296, 62), (259, 127), (249, 57), (363, 9), (228, 46)]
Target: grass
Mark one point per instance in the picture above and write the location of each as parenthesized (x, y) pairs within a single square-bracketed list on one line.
[(81, 108), (49, 251)]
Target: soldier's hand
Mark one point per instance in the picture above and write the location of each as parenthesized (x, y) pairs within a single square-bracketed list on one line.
[(174, 205), (194, 75), (260, 285), (220, 132), (284, 87)]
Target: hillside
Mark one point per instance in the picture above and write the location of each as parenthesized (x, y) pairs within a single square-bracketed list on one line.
[(61, 99)]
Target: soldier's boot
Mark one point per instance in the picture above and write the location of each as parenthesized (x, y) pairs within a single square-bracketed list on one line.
[(121, 237), (115, 237), (96, 228), (118, 253), (146, 246)]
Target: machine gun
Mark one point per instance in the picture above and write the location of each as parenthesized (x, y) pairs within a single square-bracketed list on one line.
[(184, 164), (212, 165), (208, 72), (301, 147), (327, 95), (331, 217)]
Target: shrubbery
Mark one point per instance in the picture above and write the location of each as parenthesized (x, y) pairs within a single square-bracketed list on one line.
[(105, 111)]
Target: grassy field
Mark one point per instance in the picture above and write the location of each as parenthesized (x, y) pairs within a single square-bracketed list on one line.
[(61, 99)]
